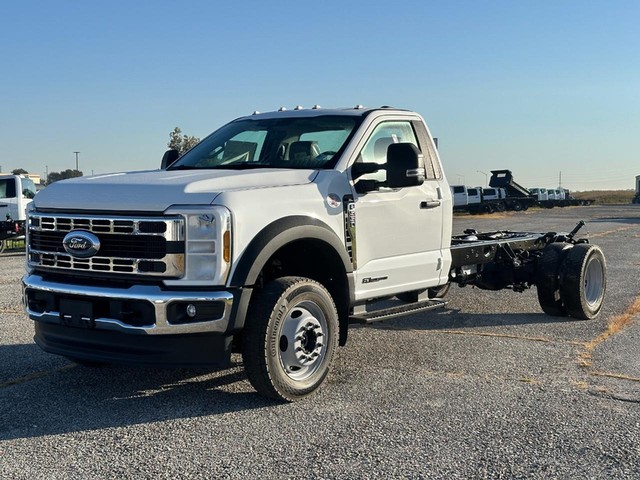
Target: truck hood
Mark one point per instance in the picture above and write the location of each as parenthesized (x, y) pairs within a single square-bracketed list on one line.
[(156, 190)]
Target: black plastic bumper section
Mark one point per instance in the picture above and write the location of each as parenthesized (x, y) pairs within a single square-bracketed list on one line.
[(106, 346)]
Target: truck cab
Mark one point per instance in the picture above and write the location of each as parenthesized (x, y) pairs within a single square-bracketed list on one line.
[(493, 194), (16, 193), (170, 266), (540, 194), (474, 195), (460, 195)]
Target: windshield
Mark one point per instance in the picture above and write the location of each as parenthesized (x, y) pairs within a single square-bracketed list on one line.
[(301, 143)]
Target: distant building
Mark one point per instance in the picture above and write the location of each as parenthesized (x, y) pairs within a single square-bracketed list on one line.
[(36, 178)]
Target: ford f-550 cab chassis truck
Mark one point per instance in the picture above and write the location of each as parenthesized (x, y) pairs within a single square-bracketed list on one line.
[(269, 238)]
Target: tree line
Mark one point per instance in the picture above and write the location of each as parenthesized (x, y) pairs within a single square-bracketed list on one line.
[(177, 141), (53, 176)]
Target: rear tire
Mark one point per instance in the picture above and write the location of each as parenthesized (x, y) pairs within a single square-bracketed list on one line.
[(290, 337), (548, 279), (3, 245), (583, 281)]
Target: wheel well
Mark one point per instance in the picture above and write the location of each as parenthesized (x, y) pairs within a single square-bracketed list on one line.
[(317, 260)]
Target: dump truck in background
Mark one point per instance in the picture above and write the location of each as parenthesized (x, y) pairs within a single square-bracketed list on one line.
[(517, 197)]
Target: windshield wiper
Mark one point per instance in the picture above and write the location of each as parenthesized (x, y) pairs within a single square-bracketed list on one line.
[(182, 167), (242, 166)]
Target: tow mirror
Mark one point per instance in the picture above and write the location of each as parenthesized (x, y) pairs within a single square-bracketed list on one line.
[(405, 166), (362, 168), (169, 157)]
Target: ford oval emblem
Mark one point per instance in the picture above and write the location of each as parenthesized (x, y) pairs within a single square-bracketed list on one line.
[(81, 244)]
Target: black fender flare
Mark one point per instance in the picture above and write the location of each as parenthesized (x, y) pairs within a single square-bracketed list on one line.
[(278, 234), (266, 243)]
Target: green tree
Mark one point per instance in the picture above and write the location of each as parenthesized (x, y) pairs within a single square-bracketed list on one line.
[(56, 176), (19, 171), (180, 142)]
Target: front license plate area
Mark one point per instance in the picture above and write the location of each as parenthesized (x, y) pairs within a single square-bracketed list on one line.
[(76, 313)]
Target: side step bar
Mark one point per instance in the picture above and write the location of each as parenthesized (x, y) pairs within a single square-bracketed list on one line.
[(362, 316)]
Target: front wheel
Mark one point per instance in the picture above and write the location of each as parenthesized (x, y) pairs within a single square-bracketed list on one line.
[(290, 337)]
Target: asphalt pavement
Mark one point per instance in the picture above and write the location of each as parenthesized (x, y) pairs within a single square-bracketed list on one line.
[(489, 387)]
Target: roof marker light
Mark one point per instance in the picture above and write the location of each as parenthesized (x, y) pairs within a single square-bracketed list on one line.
[(316, 107), (255, 112), (282, 109), (298, 107), (359, 107)]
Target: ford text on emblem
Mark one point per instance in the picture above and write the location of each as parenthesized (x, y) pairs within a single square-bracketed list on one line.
[(81, 244)]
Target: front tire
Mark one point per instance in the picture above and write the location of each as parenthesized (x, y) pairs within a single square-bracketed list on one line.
[(290, 337), (583, 281)]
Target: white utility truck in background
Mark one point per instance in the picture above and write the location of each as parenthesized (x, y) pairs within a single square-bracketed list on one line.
[(16, 193), (269, 238)]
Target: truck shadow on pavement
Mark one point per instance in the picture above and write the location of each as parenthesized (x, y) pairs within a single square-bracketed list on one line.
[(627, 220), (451, 319), (49, 400)]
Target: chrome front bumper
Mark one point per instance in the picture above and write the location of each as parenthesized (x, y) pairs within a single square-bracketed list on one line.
[(159, 299)]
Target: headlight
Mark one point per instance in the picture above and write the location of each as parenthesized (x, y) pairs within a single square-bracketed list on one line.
[(29, 209), (207, 246)]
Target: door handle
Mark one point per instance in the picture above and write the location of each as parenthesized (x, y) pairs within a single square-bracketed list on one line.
[(430, 204)]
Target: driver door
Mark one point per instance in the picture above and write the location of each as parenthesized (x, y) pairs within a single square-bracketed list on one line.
[(399, 232)]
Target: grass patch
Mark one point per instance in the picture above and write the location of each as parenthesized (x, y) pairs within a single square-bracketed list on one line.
[(615, 325), (616, 197)]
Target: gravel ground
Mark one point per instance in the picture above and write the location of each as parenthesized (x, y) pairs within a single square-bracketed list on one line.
[(488, 388)]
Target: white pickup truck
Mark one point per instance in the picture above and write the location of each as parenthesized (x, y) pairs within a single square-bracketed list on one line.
[(16, 193), (269, 238)]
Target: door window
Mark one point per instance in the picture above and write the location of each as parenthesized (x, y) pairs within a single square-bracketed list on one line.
[(375, 150), (7, 188)]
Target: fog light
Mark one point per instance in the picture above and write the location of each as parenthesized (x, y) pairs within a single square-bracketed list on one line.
[(191, 310)]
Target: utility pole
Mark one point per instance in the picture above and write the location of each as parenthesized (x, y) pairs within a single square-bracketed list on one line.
[(560, 180), (486, 178), (77, 169)]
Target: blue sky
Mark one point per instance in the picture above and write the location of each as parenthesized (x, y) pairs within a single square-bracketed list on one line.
[(537, 87)]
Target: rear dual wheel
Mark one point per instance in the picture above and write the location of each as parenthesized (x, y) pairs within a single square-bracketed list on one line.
[(583, 281), (548, 279), (571, 280)]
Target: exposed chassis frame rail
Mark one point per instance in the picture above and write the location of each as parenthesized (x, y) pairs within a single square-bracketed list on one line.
[(502, 259)]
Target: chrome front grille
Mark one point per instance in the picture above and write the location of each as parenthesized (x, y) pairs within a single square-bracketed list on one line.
[(128, 245)]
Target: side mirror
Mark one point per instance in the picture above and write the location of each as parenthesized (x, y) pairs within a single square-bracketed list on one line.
[(362, 168), (169, 157), (405, 166)]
